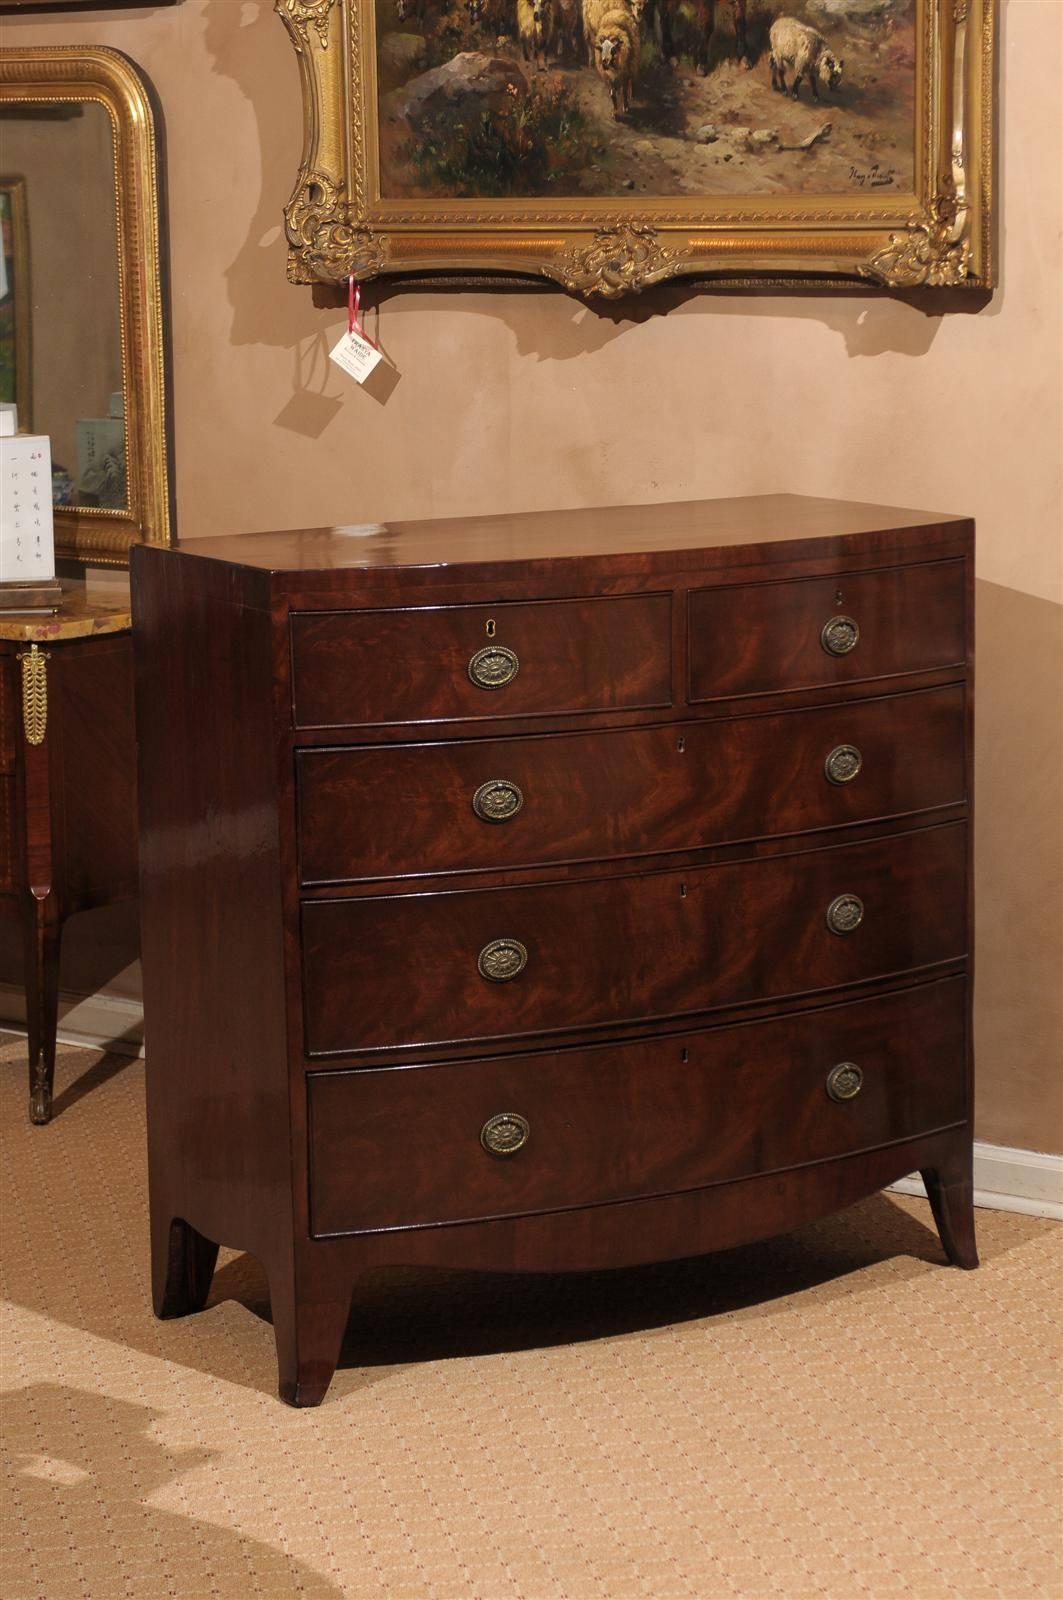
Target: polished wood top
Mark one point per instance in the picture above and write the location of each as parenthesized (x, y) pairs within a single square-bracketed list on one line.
[(76, 618), (547, 535)]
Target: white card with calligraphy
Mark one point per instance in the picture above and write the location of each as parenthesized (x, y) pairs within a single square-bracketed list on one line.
[(27, 540)]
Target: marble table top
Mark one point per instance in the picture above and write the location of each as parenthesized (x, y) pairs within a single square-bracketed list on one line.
[(77, 618)]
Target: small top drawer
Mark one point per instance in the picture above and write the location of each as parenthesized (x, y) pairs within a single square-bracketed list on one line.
[(809, 632), (467, 662)]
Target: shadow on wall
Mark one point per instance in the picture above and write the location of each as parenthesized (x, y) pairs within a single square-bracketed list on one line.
[(1019, 869), (243, 40), (266, 310)]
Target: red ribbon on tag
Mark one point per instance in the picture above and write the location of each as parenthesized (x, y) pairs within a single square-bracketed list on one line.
[(354, 311)]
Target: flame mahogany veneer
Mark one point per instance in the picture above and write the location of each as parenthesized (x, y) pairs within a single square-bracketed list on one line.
[(549, 892)]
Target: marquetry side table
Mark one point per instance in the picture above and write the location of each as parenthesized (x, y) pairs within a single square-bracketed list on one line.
[(67, 792)]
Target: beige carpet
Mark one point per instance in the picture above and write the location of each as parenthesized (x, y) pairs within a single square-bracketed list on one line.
[(832, 1414)]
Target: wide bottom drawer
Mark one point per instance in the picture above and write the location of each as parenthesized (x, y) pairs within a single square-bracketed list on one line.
[(408, 1147)]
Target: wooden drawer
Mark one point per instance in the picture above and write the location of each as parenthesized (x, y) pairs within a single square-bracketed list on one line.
[(388, 810), (403, 1148), (765, 637), (541, 658), (396, 970)]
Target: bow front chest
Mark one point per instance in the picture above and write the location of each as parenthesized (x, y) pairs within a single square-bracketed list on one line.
[(549, 892)]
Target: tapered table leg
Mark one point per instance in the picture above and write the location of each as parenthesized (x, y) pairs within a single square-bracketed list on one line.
[(42, 935)]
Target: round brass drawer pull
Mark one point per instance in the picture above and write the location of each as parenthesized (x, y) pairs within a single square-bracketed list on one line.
[(845, 913), (493, 667), (839, 636), (843, 764), (505, 1133), (502, 959), (845, 1081), (497, 800)]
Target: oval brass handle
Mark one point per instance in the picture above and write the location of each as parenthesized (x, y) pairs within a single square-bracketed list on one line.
[(839, 636), (845, 913), (843, 764), (497, 800), (493, 667), (502, 959), (845, 1081), (505, 1133)]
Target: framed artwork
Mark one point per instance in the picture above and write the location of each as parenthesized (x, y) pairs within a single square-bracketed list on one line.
[(16, 349), (611, 144), (94, 160)]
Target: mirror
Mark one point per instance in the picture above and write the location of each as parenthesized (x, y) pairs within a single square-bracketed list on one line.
[(81, 295)]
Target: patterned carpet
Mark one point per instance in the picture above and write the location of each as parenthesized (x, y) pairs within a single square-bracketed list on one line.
[(832, 1414)]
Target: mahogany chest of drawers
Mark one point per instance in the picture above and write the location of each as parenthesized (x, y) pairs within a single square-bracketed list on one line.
[(549, 892)]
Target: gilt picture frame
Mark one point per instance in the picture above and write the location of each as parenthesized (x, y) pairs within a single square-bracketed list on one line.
[(46, 83), (16, 337), (817, 141)]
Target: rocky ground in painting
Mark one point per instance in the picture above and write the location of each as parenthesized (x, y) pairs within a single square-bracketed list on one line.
[(724, 133)]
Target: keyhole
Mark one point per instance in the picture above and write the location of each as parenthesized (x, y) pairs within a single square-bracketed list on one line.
[(686, 1055), (838, 600), (682, 891), (680, 744), (489, 627)]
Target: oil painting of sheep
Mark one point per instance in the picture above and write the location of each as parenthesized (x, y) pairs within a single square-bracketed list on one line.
[(480, 99)]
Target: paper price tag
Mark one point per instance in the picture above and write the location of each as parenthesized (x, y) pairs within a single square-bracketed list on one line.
[(355, 355)]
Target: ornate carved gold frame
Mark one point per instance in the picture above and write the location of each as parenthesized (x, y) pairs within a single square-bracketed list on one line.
[(337, 222), (61, 73)]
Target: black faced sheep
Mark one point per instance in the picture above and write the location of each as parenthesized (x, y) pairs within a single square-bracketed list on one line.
[(794, 44)]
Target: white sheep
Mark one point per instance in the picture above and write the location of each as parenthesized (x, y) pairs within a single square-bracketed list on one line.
[(595, 10), (616, 56), (794, 44), (536, 25)]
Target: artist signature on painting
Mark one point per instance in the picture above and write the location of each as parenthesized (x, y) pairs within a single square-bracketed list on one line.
[(873, 177)]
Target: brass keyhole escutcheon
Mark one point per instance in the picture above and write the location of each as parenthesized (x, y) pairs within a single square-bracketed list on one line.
[(489, 627), (844, 1081), (843, 764), (505, 1133), (493, 667), (840, 635), (845, 913), (502, 959)]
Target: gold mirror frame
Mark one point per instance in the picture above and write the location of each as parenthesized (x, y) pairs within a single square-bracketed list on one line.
[(938, 236), (46, 74)]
